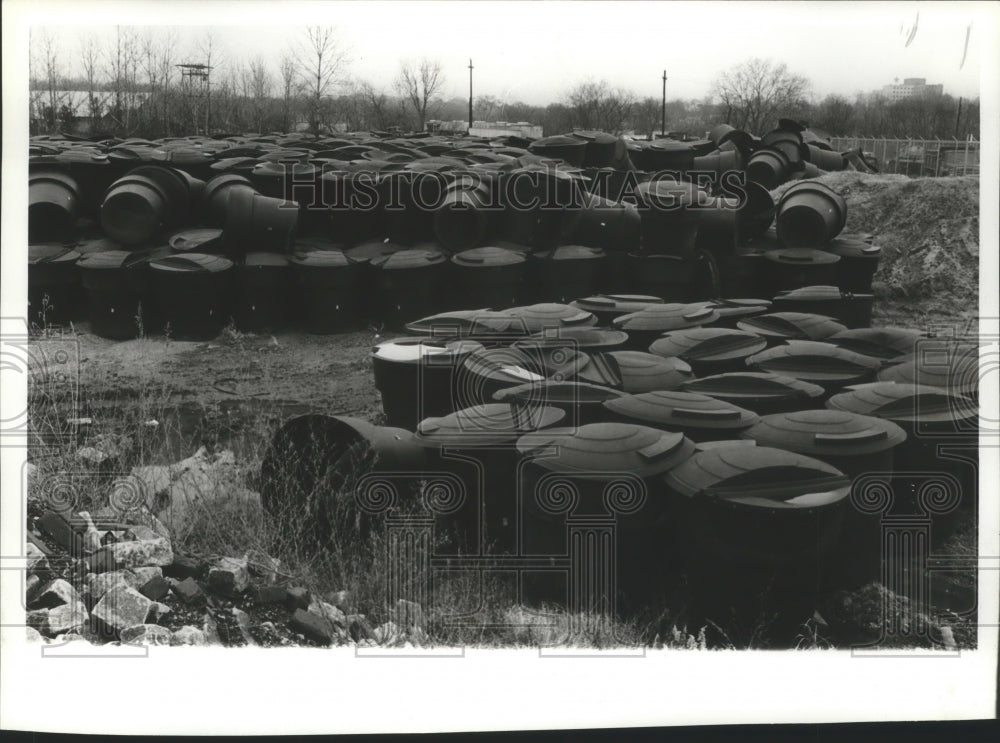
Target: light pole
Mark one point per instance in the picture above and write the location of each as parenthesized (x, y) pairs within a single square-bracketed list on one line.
[(663, 110), (470, 94)]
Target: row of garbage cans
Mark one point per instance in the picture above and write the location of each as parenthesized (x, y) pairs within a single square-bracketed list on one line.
[(756, 452)]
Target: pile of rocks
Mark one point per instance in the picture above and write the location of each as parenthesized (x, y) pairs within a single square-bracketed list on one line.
[(122, 584)]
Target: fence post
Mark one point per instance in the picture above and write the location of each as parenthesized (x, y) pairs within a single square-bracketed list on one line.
[(965, 159)]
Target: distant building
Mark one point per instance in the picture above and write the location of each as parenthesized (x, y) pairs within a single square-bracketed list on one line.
[(911, 87), (76, 111), (486, 128)]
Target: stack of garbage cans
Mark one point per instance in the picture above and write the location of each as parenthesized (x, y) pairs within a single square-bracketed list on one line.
[(603, 376)]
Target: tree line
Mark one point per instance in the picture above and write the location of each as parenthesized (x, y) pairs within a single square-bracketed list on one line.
[(131, 85)]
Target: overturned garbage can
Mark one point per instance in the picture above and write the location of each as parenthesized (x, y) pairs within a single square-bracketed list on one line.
[(134, 208), (54, 204), (593, 494), (328, 291), (810, 215), (416, 377), (114, 283), (329, 479), (477, 445), (193, 291), (699, 417), (761, 392), (54, 292), (757, 526), (264, 284)]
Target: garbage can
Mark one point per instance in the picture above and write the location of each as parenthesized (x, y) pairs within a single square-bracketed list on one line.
[(853, 310), (54, 204), (114, 284), (763, 393), (582, 402), (408, 285), (880, 343), (486, 277), (264, 283), (646, 325), (328, 285), (829, 366), (194, 293), (699, 417), (792, 268), (858, 263), (55, 295), (709, 350), (635, 371), (778, 327), (415, 377)]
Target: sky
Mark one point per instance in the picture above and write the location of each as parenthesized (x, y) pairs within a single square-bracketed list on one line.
[(536, 51)]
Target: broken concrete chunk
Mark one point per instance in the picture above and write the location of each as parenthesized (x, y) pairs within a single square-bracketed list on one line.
[(359, 628), (145, 574), (243, 622), (122, 607), (188, 635), (146, 634), (156, 612), (36, 560), (270, 594), (156, 588), (331, 612), (58, 620), (98, 584), (313, 626), (140, 553), (229, 576), (56, 593), (183, 567), (264, 566), (188, 590)]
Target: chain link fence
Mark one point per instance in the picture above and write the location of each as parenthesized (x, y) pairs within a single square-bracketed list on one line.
[(917, 157)]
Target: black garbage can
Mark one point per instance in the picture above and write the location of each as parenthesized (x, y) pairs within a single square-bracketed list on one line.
[(194, 293), (647, 325), (829, 366), (485, 277), (760, 392), (709, 350), (113, 280), (779, 327), (582, 402), (415, 377), (699, 417), (408, 285), (880, 343), (477, 445), (264, 291), (854, 310), (55, 295), (328, 286), (593, 494), (635, 371)]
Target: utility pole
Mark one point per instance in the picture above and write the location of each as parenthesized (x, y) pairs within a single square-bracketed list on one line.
[(470, 93), (958, 116), (663, 111)]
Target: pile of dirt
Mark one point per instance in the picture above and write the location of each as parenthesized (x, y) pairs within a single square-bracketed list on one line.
[(928, 229)]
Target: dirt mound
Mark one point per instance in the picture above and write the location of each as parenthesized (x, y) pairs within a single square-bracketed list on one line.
[(928, 229)]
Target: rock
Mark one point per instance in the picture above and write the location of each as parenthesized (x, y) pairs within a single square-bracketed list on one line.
[(947, 637), (188, 590), (32, 585), (110, 537), (243, 622), (91, 536), (188, 635), (270, 594), (331, 612), (102, 561), (140, 552), (36, 561), (297, 598), (122, 607), (142, 576), (313, 626), (56, 593), (156, 612), (98, 584), (408, 614), (58, 620), (183, 567), (210, 629), (359, 628), (156, 588), (56, 526), (32, 635), (388, 633), (264, 566), (229, 576), (146, 634)]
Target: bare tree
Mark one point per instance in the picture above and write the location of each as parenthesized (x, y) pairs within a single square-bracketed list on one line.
[(419, 84), (757, 92), (261, 87), (90, 57), (288, 74), (320, 65), (599, 106), (47, 74)]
